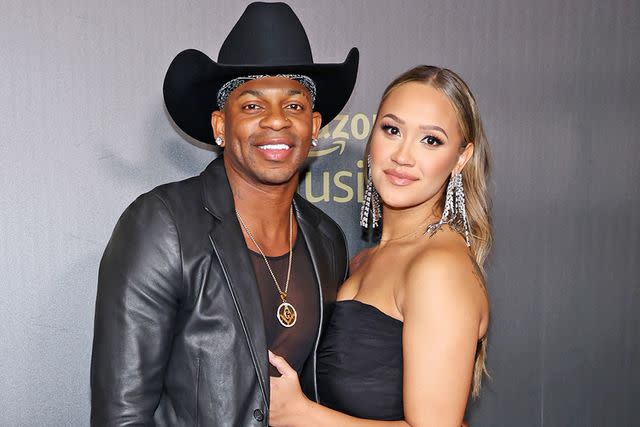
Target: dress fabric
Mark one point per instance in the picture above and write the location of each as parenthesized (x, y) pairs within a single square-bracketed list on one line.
[(360, 363)]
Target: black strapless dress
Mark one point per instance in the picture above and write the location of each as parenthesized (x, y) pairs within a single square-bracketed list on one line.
[(360, 363)]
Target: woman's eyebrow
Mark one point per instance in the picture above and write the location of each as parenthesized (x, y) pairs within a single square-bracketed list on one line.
[(394, 117), (422, 127), (433, 127)]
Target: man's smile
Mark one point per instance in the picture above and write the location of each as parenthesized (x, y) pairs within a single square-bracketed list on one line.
[(274, 147)]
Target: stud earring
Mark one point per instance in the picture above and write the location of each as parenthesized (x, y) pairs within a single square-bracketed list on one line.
[(314, 142), (219, 141)]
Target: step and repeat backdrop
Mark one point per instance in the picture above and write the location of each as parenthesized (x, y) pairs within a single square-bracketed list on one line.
[(84, 131)]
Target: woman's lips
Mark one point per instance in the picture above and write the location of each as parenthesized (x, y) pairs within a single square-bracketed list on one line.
[(399, 178)]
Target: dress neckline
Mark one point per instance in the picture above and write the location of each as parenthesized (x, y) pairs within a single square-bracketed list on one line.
[(371, 308)]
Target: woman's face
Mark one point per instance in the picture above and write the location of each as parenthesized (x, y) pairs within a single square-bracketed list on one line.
[(415, 146)]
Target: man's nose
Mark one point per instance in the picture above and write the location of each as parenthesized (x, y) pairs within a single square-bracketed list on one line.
[(276, 119)]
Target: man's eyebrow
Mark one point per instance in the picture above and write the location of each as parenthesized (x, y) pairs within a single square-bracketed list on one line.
[(253, 92), (259, 93)]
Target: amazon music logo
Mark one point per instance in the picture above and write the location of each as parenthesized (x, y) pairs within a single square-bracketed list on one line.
[(334, 136), (323, 183)]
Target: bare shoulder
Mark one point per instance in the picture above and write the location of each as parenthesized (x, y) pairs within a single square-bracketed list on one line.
[(445, 272)]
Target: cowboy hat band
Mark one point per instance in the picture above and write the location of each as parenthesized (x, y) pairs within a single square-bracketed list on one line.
[(233, 84), (268, 39)]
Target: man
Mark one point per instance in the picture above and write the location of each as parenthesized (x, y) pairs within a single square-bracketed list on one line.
[(202, 276)]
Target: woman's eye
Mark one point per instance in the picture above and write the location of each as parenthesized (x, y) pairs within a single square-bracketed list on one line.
[(432, 140), (391, 130)]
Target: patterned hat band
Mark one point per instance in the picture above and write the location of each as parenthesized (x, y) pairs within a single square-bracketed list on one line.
[(233, 84)]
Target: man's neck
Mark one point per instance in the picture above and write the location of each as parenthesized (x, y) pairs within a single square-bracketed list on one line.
[(265, 210)]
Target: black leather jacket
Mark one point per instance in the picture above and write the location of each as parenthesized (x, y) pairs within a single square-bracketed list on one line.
[(179, 338)]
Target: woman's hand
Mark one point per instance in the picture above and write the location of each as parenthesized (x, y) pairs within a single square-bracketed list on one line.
[(288, 404)]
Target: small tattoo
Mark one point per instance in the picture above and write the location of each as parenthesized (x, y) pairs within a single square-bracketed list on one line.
[(477, 272)]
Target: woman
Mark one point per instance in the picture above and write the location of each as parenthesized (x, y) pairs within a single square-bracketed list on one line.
[(407, 339)]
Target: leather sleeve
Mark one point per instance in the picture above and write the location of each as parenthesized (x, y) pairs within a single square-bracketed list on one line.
[(139, 288)]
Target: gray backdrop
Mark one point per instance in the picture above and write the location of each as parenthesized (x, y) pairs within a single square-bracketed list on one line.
[(83, 131)]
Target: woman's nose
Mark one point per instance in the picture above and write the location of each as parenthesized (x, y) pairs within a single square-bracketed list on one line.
[(403, 154)]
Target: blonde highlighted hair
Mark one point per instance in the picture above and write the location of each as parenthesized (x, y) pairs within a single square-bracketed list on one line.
[(474, 175)]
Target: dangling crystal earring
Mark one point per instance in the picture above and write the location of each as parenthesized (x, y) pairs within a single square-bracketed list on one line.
[(219, 141), (455, 212), (314, 142), (462, 209), (371, 203)]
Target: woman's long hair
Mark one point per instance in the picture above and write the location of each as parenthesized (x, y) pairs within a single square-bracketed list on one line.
[(474, 174)]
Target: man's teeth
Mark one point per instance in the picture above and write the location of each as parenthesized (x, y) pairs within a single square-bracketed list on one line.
[(274, 147)]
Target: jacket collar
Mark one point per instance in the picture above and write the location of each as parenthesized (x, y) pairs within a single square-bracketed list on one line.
[(218, 198), (216, 192)]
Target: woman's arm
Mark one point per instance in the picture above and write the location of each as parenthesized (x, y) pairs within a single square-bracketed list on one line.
[(289, 407), (442, 305)]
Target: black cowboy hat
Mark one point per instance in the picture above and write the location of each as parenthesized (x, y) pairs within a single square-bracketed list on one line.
[(267, 39)]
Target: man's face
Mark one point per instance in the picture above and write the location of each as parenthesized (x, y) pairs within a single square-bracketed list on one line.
[(267, 125)]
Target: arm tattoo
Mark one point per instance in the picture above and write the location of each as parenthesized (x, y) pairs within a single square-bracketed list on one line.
[(477, 272)]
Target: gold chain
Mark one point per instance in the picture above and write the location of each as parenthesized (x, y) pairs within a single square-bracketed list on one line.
[(283, 294)]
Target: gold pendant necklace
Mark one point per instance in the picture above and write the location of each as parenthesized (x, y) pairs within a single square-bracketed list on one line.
[(286, 313)]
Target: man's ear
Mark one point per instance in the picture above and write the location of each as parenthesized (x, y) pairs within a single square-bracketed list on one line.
[(316, 120), (217, 125), (465, 156)]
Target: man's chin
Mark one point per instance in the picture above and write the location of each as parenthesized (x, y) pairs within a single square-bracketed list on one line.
[(276, 178)]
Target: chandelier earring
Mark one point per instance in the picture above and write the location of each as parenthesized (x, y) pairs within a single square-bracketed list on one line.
[(454, 213), (371, 206)]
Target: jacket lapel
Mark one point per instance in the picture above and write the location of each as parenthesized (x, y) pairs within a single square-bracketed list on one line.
[(231, 250), (308, 221)]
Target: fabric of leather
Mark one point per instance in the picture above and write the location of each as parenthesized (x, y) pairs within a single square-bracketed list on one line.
[(179, 336)]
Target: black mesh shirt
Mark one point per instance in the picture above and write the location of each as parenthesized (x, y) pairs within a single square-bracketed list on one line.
[(295, 343)]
